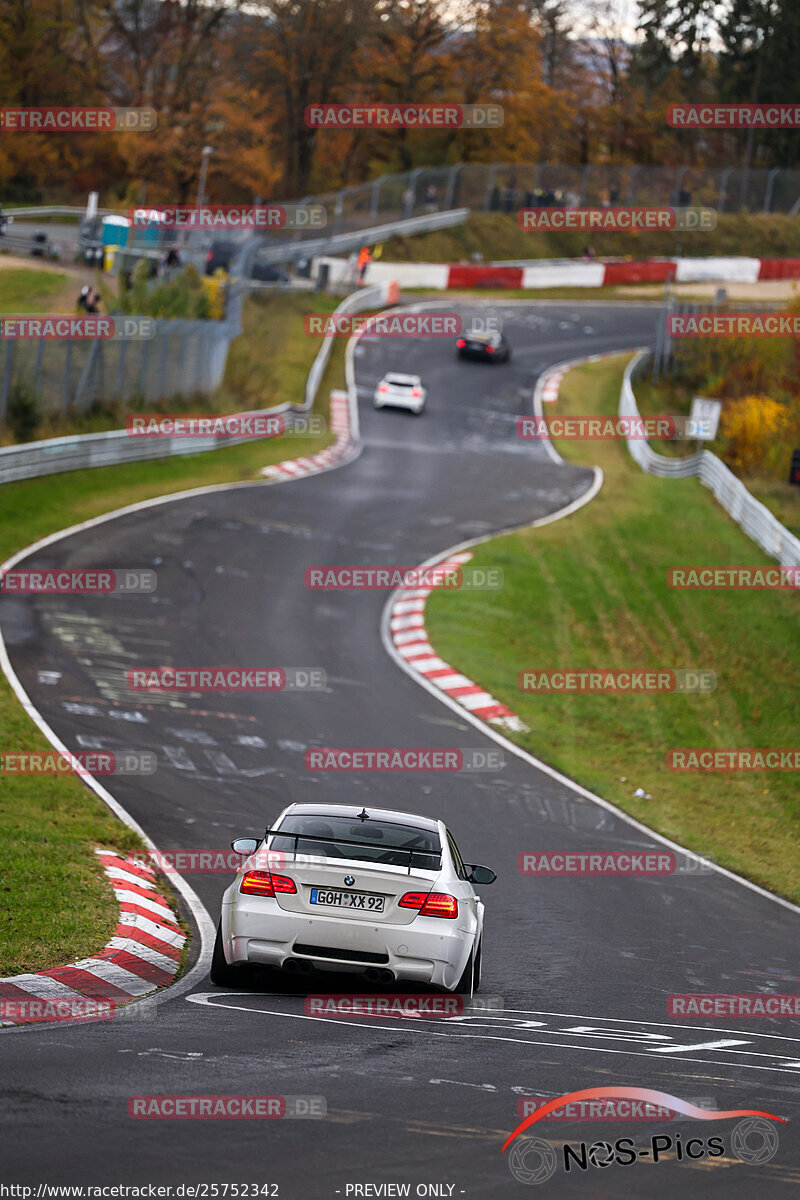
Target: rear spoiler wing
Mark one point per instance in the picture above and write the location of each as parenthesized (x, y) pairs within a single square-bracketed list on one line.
[(316, 837)]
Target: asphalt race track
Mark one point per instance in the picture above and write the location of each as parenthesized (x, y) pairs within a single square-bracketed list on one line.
[(582, 966)]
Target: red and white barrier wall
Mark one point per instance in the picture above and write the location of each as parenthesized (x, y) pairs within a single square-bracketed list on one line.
[(444, 276)]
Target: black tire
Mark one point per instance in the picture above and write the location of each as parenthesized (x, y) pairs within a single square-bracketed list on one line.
[(470, 978), (221, 974)]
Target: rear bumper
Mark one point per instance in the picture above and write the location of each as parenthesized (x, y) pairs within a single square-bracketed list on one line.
[(430, 950), (391, 402)]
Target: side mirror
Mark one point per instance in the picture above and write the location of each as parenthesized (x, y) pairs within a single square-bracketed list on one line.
[(478, 874), (245, 845)]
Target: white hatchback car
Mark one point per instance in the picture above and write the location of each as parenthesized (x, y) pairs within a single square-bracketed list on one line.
[(380, 893), (400, 391)]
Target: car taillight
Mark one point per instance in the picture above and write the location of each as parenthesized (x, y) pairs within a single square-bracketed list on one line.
[(209, 255), (416, 393), (461, 343), (490, 349), (265, 883), (383, 387), (431, 904)]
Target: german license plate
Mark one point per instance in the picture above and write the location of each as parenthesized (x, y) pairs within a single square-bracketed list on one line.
[(363, 901)]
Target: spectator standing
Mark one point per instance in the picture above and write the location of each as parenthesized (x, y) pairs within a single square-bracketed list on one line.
[(408, 202), (364, 259)]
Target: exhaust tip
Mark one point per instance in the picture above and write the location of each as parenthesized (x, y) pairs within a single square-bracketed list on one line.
[(291, 964), (372, 974), (386, 976)]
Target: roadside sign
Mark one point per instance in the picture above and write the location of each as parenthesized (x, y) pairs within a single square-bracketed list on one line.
[(704, 419)]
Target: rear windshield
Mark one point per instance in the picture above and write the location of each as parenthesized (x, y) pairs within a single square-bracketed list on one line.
[(400, 382), (387, 843)]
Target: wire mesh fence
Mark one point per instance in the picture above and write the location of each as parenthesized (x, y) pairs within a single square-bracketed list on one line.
[(498, 187), (686, 356), (62, 376)]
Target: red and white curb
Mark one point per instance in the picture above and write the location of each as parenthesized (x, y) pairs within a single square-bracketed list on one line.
[(331, 456), (552, 385), (407, 630), (142, 955)]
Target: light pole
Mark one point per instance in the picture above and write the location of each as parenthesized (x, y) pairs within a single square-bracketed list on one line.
[(201, 186)]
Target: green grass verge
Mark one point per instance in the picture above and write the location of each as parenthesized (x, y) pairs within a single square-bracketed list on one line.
[(590, 591), (48, 825), (26, 290), (588, 295), (497, 237)]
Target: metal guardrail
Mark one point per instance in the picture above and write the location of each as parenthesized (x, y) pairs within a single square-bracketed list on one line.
[(353, 239), (50, 457), (58, 210), (24, 243), (750, 514), (373, 297)]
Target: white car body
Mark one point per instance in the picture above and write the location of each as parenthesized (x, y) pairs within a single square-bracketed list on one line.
[(400, 391), (290, 930)]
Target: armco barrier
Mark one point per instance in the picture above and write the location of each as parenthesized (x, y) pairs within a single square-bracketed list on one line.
[(754, 518), (638, 272), (779, 268), (50, 457), (488, 277), (571, 273)]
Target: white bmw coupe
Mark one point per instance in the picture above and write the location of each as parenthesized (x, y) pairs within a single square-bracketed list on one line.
[(379, 893)]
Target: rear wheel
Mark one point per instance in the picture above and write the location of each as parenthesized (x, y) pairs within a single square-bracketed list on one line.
[(471, 977), (221, 973)]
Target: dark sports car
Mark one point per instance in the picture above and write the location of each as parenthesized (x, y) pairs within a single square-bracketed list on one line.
[(488, 345)]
